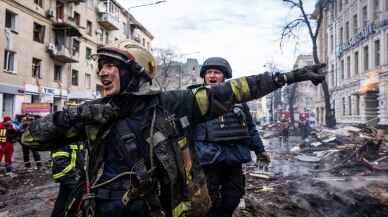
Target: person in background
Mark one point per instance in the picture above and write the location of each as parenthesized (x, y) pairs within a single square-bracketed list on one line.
[(284, 130), (8, 136), (26, 121)]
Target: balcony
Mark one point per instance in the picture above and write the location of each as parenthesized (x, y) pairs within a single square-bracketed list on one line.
[(62, 53), (108, 21)]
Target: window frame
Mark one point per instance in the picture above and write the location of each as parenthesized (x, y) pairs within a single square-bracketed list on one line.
[(6, 61), (40, 30), (13, 20), (36, 68), (73, 81)]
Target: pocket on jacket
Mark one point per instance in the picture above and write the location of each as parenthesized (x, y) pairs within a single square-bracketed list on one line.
[(208, 153)]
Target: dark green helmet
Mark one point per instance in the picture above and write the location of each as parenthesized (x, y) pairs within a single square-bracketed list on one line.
[(216, 63)]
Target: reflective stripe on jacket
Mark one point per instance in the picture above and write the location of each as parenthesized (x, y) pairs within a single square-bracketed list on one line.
[(66, 161)]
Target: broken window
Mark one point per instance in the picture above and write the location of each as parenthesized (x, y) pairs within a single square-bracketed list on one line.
[(74, 77), (10, 20), (57, 73), (36, 67), (88, 52), (38, 33), (9, 61), (76, 45), (39, 3), (77, 18), (89, 27), (88, 81)]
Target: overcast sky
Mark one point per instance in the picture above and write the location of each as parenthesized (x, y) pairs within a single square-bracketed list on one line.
[(245, 32)]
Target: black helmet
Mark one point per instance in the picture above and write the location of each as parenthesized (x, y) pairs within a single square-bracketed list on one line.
[(216, 63)]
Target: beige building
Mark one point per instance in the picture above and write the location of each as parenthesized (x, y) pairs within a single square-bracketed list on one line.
[(304, 93), (45, 48), (354, 40)]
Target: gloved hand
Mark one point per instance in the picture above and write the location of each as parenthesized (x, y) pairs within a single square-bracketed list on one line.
[(312, 73), (86, 114), (263, 158)]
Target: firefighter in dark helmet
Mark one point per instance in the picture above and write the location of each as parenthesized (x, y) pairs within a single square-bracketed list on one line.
[(136, 134), (223, 145)]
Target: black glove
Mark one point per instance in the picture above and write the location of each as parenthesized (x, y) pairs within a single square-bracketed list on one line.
[(86, 114), (312, 73)]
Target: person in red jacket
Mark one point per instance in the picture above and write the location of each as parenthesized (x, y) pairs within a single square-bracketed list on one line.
[(7, 137)]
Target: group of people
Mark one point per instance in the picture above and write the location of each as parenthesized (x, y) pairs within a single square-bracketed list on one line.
[(303, 128), (142, 152), (10, 133)]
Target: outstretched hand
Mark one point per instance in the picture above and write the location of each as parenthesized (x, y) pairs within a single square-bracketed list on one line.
[(314, 73)]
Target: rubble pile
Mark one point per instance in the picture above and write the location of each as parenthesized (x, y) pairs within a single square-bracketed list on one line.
[(325, 176), (306, 197), (28, 194)]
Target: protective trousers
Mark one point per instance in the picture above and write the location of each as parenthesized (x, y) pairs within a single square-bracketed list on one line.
[(226, 188), (115, 207), (6, 149), (26, 157), (61, 201)]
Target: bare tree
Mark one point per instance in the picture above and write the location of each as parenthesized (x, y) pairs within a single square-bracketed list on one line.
[(166, 59), (313, 24)]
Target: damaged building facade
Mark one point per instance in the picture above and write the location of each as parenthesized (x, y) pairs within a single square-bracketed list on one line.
[(353, 41), (45, 49)]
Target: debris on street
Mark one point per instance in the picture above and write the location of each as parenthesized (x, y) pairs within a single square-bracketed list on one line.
[(331, 174)]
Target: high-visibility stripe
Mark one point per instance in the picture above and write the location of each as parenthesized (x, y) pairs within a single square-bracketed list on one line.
[(245, 88), (182, 209), (3, 137), (60, 154), (202, 99), (182, 143), (240, 89), (69, 167)]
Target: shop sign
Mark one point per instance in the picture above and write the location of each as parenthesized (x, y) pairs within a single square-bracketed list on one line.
[(36, 107), (357, 38)]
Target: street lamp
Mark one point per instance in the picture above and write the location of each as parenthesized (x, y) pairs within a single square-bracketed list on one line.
[(148, 4)]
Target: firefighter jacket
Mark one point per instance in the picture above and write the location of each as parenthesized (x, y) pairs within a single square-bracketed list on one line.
[(7, 134), (171, 114), (67, 163), (228, 139)]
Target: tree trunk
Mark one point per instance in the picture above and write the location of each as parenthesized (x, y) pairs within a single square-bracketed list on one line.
[(329, 116), (291, 101)]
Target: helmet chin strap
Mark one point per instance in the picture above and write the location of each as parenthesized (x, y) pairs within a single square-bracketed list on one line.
[(132, 76)]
